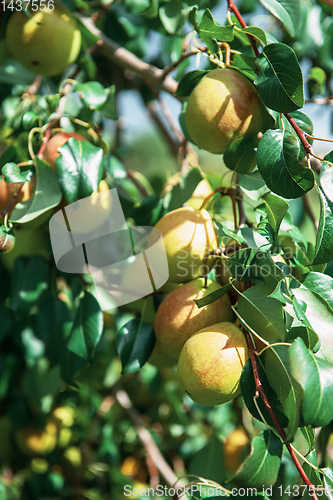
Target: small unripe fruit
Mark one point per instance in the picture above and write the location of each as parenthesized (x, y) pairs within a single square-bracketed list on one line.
[(211, 363), (223, 107), (178, 317), (51, 152), (188, 234), (45, 41), (236, 447), (7, 239)]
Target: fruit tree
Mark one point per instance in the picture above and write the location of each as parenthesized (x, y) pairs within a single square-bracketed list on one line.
[(196, 137)]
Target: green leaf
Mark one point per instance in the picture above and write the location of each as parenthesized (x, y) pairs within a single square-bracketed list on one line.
[(262, 313), (87, 328), (275, 208), (262, 465), (321, 285), (93, 94), (279, 166), (172, 16), (213, 296), (152, 10), (324, 241), (108, 109), (320, 319), (189, 81), (287, 11), (253, 185), (208, 461), (79, 169), (288, 391), (13, 173), (256, 32), (47, 195), (245, 64), (248, 388), (279, 78), (135, 343), (183, 190), (315, 376), (30, 282), (209, 30), (310, 436), (241, 155)]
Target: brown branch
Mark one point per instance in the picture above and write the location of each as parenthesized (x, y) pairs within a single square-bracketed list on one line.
[(33, 89), (261, 392), (174, 146), (302, 135), (127, 60), (150, 447), (233, 8)]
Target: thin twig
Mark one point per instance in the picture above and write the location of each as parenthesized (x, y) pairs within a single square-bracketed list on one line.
[(33, 89), (232, 6), (145, 437)]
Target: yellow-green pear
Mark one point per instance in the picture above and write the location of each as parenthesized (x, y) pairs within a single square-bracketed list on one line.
[(236, 448), (222, 107), (202, 190), (178, 317), (211, 362), (188, 235), (45, 41), (161, 359)]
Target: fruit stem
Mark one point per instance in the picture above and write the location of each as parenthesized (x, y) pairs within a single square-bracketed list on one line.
[(261, 392)]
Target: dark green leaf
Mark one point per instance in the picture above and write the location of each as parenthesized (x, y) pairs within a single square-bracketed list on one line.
[(279, 78), (213, 296), (324, 242), (183, 190), (135, 343), (241, 155), (208, 462), (315, 376), (275, 208), (189, 81), (256, 32), (262, 313), (79, 169), (108, 109), (87, 328), (287, 11), (262, 465), (278, 164)]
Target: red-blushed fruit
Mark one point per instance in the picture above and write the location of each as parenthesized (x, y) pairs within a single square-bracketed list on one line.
[(211, 362), (51, 152), (8, 190), (7, 239), (222, 107), (178, 317), (188, 234)]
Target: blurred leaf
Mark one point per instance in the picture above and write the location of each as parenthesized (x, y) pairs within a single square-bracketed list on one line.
[(135, 343), (208, 462), (79, 169), (279, 78), (310, 436), (93, 94), (253, 185), (108, 109), (183, 190), (278, 164), (262, 313), (315, 376), (262, 466), (152, 10), (87, 328), (30, 282), (256, 32), (287, 11), (208, 31), (189, 81), (172, 15), (47, 195)]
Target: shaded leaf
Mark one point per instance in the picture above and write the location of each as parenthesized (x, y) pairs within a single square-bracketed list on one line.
[(12, 173), (135, 343), (93, 94), (275, 208), (287, 11), (209, 30), (189, 81), (241, 155), (324, 241), (213, 296), (279, 78), (278, 164), (87, 328)]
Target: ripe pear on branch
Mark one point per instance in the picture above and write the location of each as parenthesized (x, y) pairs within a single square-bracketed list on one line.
[(45, 41), (188, 235), (211, 362), (178, 317), (222, 107)]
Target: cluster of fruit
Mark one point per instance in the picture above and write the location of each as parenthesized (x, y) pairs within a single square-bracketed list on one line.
[(211, 350)]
